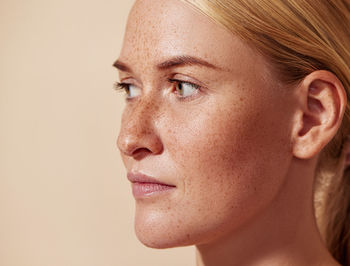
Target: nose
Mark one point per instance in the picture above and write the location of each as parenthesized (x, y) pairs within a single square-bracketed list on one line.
[(138, 135)]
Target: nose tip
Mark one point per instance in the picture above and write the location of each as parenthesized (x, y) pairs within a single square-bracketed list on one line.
[(139, 129), (139, 146)]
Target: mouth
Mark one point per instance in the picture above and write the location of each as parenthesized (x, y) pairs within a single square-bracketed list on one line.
[(144, 186)]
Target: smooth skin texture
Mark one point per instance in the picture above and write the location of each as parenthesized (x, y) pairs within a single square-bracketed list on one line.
[(240, 146)]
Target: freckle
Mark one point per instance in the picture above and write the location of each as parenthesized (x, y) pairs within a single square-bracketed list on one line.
[(241, 99)]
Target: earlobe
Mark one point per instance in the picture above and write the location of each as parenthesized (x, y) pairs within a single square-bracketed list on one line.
[(319, 114)]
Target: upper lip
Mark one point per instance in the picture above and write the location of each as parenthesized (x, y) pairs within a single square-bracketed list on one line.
[(136, 177)]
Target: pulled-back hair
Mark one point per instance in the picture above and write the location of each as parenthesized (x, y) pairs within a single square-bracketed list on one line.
[(299, 37)]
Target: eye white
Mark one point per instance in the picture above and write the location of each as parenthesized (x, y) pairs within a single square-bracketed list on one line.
[(134, 91), (186, 89)]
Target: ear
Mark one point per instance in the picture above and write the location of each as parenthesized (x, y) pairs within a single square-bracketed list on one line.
[(320, 110)]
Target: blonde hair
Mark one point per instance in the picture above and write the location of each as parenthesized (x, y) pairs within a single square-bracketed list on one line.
[(299, 37)]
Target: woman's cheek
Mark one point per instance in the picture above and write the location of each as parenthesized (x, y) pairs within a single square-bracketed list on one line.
[(216, 153), (209, 142), (207, 150)]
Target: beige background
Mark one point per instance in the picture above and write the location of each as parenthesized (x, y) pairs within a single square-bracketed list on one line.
[(64, 198)]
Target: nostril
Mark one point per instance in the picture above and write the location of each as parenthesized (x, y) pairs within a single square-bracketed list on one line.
[(140, 153)]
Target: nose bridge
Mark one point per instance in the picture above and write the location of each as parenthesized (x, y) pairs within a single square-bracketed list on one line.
[(138, 128), (143, 115)]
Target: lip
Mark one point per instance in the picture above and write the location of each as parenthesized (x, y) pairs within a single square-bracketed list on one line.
[(144, 186)]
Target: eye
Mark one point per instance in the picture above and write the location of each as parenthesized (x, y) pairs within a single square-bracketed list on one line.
[(183, 88), (131, 91)]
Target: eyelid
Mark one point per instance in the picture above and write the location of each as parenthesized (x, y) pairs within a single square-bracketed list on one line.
[(130, 81), (172, 80)]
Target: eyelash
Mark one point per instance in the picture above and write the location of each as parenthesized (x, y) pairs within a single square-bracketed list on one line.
[(122, 86)]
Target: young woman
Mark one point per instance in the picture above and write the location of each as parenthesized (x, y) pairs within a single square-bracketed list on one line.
[(234, 135)]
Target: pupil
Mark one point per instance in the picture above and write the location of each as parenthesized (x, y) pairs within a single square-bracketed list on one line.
[(180, 86)]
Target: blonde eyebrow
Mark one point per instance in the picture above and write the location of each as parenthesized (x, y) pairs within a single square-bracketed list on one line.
[(184, 60), (170, 63)]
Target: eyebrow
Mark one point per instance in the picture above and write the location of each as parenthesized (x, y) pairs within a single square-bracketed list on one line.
[(184, 60), (121, 66), (172, 62)]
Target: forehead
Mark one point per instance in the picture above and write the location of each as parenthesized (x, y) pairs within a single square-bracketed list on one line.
[(159, 29)]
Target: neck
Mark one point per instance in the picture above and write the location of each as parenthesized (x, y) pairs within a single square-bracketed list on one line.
[(285, 233)]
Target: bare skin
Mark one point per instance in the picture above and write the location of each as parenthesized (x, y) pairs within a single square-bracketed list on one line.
[(238, 147)]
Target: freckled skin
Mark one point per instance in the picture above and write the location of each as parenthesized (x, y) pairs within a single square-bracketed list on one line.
[(242, 196), (227, 150)]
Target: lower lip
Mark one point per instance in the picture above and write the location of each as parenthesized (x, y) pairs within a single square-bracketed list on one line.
[(142, 190)]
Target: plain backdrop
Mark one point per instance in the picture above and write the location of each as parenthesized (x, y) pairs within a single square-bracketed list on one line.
[(64, 197)]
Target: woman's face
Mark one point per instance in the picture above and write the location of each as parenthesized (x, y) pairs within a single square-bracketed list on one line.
[(206, 115)]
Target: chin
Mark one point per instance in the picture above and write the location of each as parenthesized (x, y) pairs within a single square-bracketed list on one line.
[(161, 235), (162, 230), (157, 241)]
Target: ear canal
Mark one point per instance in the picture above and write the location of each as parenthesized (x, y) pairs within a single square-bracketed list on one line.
[(308, 123)]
